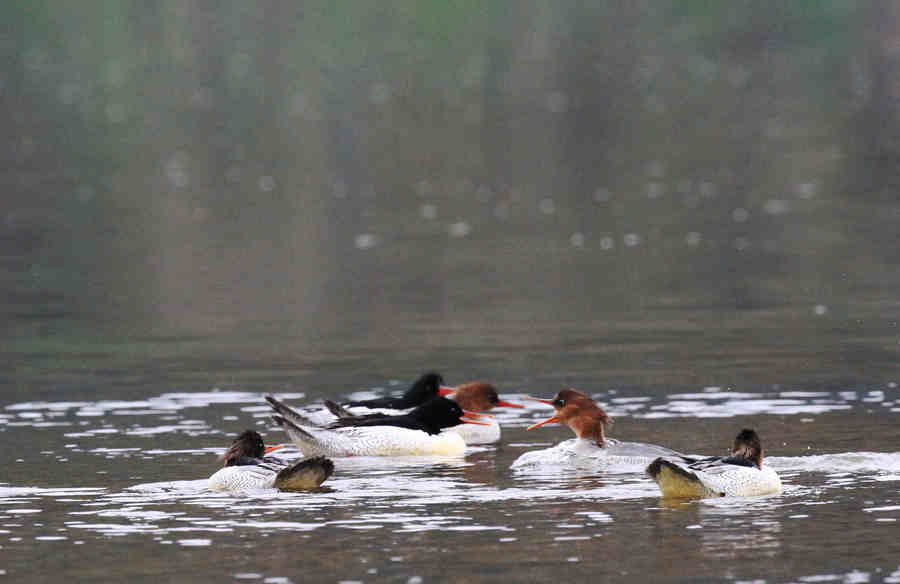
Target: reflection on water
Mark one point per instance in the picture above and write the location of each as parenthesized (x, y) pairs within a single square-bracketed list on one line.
[(727, 530), (135, 472)]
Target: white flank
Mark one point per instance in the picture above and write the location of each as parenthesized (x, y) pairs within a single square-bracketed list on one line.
[(374, 441), (720, 480), (579, 452), (243, 478)]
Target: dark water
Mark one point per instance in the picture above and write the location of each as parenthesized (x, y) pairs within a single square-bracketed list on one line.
[(113, 488)]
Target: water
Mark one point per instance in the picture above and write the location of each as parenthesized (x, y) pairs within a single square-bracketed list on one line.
[(686, 211), (117, 487)]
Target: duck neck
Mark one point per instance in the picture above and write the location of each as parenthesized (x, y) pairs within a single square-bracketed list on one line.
[(243, 461), (419, 421), (751, 454), (590, 430)]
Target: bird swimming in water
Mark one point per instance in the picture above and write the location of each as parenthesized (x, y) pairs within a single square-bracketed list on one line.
[(742, 474), (246, 466)]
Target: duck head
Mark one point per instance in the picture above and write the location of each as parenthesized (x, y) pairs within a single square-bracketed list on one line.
[(426, 387), (747, 445), (477, 396), (247, 446), (577, 411), (441, 413)]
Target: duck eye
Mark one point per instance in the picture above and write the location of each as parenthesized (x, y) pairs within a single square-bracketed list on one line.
[(559, 403)]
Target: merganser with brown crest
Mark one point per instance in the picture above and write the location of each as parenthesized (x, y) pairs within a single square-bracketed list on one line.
[(742, 474), (591, 446), (477, 396), (415, 433), (246, 467)]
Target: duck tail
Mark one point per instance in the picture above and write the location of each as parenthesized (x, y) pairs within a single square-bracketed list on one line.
[(305, 475), (337, 410), (288, 412), (298, 435), (676, 481)]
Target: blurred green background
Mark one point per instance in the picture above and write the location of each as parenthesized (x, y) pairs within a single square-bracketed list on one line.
[(662, 192)]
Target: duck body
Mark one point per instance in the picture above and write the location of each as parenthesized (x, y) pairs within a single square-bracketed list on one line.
[(580, 452), (416, 433), (371, 441), (743, 474), (679, 478)]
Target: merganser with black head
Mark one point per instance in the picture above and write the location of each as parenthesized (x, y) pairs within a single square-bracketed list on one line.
[(427, 387), (742, 474), (415, 433), (591, 446), (424, 389), (246, 467)]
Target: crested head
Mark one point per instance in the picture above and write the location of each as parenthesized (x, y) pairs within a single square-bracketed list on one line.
[(747, 445), (438, 413), (477, 396), (579, 412), (425, 387), (571, 402), (248, 444)]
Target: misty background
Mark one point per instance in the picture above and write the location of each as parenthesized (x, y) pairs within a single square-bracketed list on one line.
[(631, 192)]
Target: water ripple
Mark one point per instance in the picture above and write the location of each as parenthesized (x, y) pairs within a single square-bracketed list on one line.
[(173, 440)]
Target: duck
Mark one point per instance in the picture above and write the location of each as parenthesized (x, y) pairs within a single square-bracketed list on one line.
[(590, 445), (475, 396), (742, 474), (428, 386), (415, 433), (246, 467)]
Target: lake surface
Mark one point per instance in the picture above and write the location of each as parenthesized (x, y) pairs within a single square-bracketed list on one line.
[(686, 211), (112, 487), (112, 421)]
